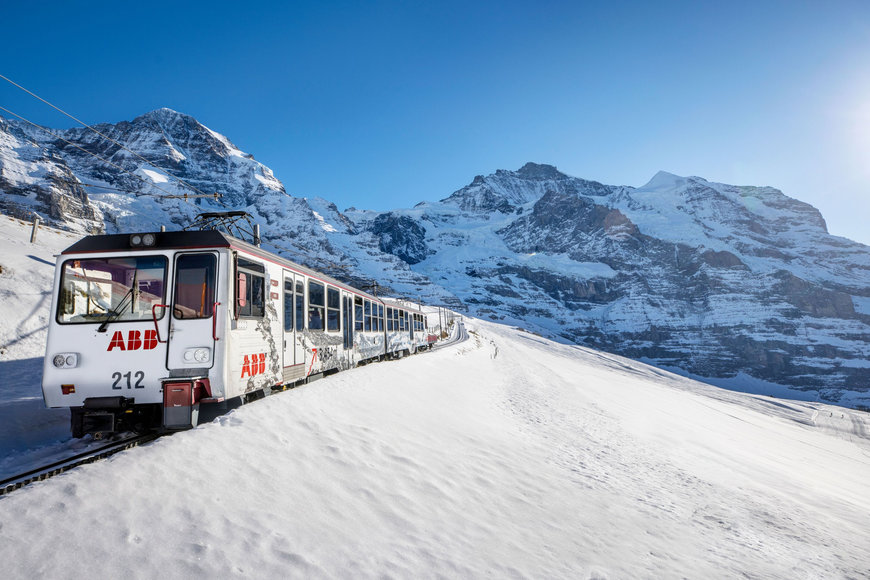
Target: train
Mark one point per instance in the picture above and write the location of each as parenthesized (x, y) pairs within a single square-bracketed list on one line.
[(149, 328)]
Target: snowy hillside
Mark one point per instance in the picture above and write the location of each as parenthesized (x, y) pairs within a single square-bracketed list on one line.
[(507, 455), (740, 285)]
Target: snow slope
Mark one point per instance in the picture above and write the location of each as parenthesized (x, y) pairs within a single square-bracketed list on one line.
[(504, 456)]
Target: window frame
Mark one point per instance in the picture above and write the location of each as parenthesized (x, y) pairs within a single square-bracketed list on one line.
[(333, 310), (316, 307)]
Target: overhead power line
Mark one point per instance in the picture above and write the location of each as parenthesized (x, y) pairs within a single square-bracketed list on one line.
[(104, 136), (83, 150)]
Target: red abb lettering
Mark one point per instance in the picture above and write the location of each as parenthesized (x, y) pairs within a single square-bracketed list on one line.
[(134, 341), (254, 364)]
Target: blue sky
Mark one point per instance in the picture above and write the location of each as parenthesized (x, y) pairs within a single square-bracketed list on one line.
[(380, 105)]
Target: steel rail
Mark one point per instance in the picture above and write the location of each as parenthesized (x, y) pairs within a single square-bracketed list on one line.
[(46, 471)]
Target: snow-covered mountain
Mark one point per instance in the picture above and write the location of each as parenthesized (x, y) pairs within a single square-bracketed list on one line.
[(716, 280), (743, 285)]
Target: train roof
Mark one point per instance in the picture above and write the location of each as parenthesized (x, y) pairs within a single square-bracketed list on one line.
[(163, 240), (189, 240)]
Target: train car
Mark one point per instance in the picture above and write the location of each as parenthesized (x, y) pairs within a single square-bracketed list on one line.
[(147, 327)]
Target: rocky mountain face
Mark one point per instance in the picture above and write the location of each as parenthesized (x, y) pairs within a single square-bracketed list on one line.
[(742, 285)]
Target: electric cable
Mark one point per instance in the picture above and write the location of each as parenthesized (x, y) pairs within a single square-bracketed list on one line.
[(94, 155), (168, 173)]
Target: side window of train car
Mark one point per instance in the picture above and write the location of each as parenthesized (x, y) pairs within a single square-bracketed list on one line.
[(380, 317), (389, 318), (368, 313), (358, 313), (288, 305), (316, 305), (250, 289), (300, 305), (333, 308)]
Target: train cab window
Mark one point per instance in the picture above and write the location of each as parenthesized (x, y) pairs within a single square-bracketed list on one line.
[(194, 286), (316, 304), (250, 288), (126, 288), (333, 309), (358, 313), (300, 305), (368, 313)]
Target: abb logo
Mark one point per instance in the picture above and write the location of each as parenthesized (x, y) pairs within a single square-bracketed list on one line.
[(135, 340), (254, 364)]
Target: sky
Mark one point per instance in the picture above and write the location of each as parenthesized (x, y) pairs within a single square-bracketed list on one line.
[(380, 105)]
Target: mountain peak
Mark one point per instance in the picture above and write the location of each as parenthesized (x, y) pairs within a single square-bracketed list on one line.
[(539, 171), (664, 181)]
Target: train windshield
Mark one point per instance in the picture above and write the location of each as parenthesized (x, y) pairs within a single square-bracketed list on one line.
[(120, 289)]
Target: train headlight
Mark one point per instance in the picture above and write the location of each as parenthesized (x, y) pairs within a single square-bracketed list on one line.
[(137, 240), (66, 360), (200, 355)]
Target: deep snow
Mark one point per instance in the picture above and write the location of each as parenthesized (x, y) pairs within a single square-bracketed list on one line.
[(507, 455)]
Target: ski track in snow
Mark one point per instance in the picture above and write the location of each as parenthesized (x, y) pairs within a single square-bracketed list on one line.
[(505, 456)]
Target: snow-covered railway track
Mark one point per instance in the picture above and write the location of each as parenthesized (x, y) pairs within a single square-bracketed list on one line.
[(46, 471)]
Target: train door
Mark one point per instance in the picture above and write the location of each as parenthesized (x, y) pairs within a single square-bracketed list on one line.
[(294, 309), (192, 326), (289, 320)]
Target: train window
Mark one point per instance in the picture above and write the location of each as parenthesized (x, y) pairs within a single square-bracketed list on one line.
[(333, 308), (357, 313), (368, 312), (126, 288), (288, 305), (389, 318), (380, 317), (316, 303), (194, 286), (300, 305), (402, 315), (250, 289)]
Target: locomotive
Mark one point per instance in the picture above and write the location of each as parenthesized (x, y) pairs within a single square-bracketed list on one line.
[(148, 327)]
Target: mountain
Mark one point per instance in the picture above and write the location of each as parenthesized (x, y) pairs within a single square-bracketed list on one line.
[(717, 280), (740, 285)]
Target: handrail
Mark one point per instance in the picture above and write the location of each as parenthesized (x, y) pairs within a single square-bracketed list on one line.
[(154, 318), (214, 321)]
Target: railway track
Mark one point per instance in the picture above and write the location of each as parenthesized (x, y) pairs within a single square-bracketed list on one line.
[(46, 471)]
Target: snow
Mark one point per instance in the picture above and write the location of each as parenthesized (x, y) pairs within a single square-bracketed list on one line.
[(154, 176), (862, 304), (323, 224), (506, 455)]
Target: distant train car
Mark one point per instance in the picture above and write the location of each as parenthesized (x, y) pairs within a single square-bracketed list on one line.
[(147, 327)]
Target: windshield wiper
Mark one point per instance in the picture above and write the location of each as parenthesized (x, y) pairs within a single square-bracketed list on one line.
[(116, 312)]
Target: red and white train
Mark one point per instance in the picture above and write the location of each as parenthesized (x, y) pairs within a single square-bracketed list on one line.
[(147, 327)]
